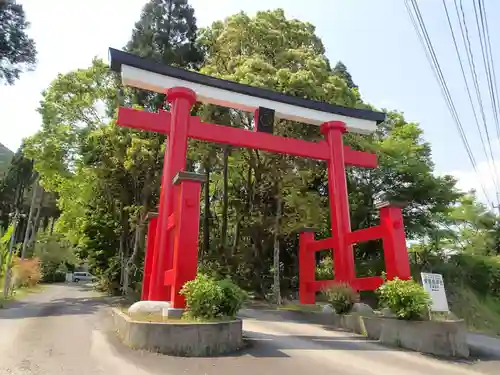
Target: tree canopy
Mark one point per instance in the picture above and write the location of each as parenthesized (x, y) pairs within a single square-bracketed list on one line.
[(341, 70), (17, 49)]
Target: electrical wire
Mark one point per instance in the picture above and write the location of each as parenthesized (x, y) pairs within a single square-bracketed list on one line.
[(487, 59), (464, 30), (492, 80), (487, 68), (465, 79), (438, 74), (487, 33)]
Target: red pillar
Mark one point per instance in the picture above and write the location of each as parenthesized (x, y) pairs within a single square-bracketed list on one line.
[(397, 262), (339, 201), (185, 260), (307, 268), (148, 259), (181, 100)]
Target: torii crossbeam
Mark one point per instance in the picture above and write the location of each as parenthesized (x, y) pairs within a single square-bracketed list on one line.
[(171, 259)]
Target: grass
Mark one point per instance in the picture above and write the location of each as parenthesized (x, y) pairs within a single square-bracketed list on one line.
[(158, 318), (297, 307), (481, 314), (19, 293)]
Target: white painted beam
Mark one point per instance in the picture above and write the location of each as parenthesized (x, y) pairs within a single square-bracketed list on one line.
[(147, 80)]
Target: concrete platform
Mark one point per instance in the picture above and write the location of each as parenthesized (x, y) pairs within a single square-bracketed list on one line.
[(179, 338)]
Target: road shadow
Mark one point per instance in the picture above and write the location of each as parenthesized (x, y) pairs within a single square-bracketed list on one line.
[(264, 345), (270, 315), (265, 353), (56, 307)]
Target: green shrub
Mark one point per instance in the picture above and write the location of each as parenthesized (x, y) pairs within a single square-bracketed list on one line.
[(341, 297), (208, 298), (407, 299), (54, 277), (324, 271)]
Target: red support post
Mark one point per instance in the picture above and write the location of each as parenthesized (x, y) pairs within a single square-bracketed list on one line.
[(394, 241), (307, 268), (339, 202), (185, 260), (149, 257), (172, 249), (181, 100)]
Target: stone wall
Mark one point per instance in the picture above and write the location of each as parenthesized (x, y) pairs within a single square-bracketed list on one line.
[(441, 338)]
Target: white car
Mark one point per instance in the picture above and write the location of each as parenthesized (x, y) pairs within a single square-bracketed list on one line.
[(83, 276)]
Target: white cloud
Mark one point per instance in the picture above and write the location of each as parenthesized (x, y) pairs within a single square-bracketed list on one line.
[(468, 179)]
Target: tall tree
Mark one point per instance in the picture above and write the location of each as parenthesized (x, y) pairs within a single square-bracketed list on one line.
[(17, 50), (166, 32), (17, 180), (340, 70), (284, 55)]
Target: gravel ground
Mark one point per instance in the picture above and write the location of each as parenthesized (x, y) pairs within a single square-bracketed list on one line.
[(66, 330)]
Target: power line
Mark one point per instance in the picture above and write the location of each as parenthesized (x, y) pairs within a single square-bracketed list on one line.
[(487, 67), (438, 74), (465, 79), (487, 33), (492, 80), (464, 30)]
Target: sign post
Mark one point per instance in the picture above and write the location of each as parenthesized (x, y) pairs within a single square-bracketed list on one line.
[(434, 285)]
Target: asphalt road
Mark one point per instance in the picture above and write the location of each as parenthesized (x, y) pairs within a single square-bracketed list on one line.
[(65, 330)]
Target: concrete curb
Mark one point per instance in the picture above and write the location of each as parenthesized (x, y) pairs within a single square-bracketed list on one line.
[(445, 339), (483, 346), (179, 339)]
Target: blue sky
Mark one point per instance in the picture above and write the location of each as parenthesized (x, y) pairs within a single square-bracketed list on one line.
[(375, 39)]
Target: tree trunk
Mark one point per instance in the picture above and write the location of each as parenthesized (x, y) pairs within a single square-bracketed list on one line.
[(36, 222), (248, 205), (45, 223), (206, 210), (144, 196), (123, 245), (225, 197), (52, 225), (276, 255), (139, 234), (29, 226)]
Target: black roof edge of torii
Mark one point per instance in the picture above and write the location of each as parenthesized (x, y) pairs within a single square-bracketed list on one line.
[(119, 58)]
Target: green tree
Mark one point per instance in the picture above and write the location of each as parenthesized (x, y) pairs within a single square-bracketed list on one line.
[(340, 70), (17, 50), (475, 227), (17, 180), (166, 33), (55, 254), (285, 55)]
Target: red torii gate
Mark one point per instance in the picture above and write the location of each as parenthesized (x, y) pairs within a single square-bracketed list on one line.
[(172, 246)]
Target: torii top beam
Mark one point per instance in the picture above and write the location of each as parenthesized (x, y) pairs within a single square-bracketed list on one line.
[(144, 74)]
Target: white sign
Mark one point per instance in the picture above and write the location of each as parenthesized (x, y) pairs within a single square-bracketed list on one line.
[(434, 285)]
